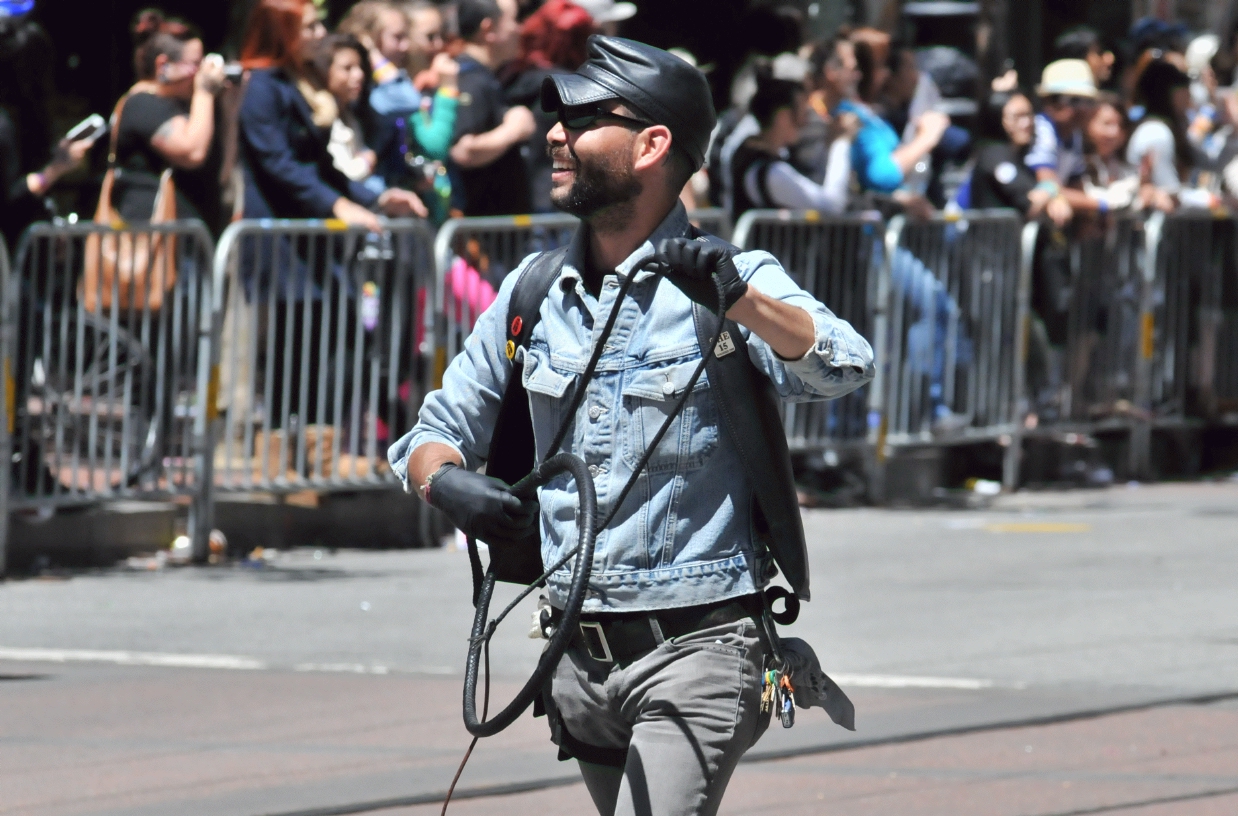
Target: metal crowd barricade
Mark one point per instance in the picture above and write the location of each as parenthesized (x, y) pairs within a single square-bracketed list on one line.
[(955, 317), (1090, 338), (1191, 303), (316, 371), (1104, 341), (104, 329), (836, 259), (7, 401), (1189, 325)]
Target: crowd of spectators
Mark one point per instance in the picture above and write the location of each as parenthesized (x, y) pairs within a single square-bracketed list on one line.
[(415, 108), (854, 123)]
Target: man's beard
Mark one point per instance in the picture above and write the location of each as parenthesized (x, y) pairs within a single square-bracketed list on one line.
[(602, 191)]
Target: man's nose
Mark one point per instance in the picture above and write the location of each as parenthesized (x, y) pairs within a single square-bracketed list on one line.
[(557, 134)]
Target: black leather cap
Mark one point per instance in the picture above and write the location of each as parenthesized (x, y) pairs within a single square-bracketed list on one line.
[(658, 84)]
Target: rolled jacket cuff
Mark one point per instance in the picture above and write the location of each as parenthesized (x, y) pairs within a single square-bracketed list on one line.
[(830, 350)]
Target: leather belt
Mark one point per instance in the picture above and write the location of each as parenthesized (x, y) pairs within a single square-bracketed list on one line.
[(627, 636)]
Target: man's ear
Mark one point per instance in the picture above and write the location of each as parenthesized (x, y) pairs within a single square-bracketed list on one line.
[(651, 148), (486, 30)]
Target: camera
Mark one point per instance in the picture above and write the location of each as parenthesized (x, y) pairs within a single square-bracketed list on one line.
[(232, 70)]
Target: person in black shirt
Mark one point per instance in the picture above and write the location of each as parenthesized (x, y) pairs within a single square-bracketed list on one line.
[(489, 175), (168, 120), (1001, 178), (27, 170)]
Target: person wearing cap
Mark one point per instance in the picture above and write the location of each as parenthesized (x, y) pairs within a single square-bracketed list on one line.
[(658, 696), (1068, 92)]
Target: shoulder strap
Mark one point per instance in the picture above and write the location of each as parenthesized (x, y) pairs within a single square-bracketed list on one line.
[(115, 134), (525, 309), (512, 451)]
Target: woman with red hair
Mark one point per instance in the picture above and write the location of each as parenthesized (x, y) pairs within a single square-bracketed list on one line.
[(552, 41), (555, 36), (285, 126)]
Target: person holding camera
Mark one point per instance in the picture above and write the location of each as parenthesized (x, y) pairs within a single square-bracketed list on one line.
[(27, 173), (168, 121)]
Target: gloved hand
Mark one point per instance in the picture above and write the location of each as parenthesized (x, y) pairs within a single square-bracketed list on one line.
[(692, 263), (483, 507)]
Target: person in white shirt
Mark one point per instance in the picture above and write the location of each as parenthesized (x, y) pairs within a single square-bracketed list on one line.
[(761, 174), (1159, 145)]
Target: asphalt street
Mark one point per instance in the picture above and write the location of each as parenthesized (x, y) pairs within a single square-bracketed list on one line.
[(321, 682)]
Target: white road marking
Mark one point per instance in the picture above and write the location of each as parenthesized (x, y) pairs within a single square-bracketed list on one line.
[(180, 661), (239, 663), (196, 661), (347, 668)]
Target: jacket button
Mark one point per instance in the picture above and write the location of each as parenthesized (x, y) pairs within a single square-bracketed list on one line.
[(668, 388), (595, 412)]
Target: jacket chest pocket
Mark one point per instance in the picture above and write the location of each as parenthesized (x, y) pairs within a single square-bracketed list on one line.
[(547, 389), (649, 397)]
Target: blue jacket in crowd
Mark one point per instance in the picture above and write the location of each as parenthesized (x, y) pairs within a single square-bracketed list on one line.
[(288, 171)]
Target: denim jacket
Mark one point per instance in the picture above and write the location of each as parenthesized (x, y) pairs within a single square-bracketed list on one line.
[(684, 534)]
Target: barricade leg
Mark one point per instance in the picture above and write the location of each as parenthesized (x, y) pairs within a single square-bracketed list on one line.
[(1012, 460), (7, 403)]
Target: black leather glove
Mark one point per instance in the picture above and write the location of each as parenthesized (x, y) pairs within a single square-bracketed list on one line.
[(691, 265), (483, 507)]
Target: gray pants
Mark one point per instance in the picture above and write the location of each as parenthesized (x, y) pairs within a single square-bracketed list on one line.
[(686, 712)]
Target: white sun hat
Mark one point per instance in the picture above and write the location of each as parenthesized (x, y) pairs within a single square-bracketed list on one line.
[(607, 11)]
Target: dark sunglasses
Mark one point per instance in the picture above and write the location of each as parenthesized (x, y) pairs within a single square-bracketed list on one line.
[(583, 117)]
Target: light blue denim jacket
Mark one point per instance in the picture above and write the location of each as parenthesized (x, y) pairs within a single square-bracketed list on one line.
[(684, 534)]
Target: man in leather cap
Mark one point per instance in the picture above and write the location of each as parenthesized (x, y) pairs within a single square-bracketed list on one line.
[(658, 696)]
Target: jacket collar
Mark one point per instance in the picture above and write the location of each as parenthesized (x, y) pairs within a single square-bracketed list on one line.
[(675, 225), (299, 103)]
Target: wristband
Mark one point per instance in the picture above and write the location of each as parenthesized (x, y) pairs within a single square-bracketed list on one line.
[(385, 72), (424, 490), (1050, 187), (1103, 206)]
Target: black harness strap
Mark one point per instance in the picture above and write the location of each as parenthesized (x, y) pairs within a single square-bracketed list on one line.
[(512, 450)]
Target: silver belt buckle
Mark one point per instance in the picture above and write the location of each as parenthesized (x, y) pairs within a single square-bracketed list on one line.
[(585, 626)]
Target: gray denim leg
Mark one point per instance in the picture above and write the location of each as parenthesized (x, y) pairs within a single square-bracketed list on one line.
[(686, 712)]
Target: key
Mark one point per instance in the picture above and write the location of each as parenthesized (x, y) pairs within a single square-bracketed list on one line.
[(786, 710), (768, 684)]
